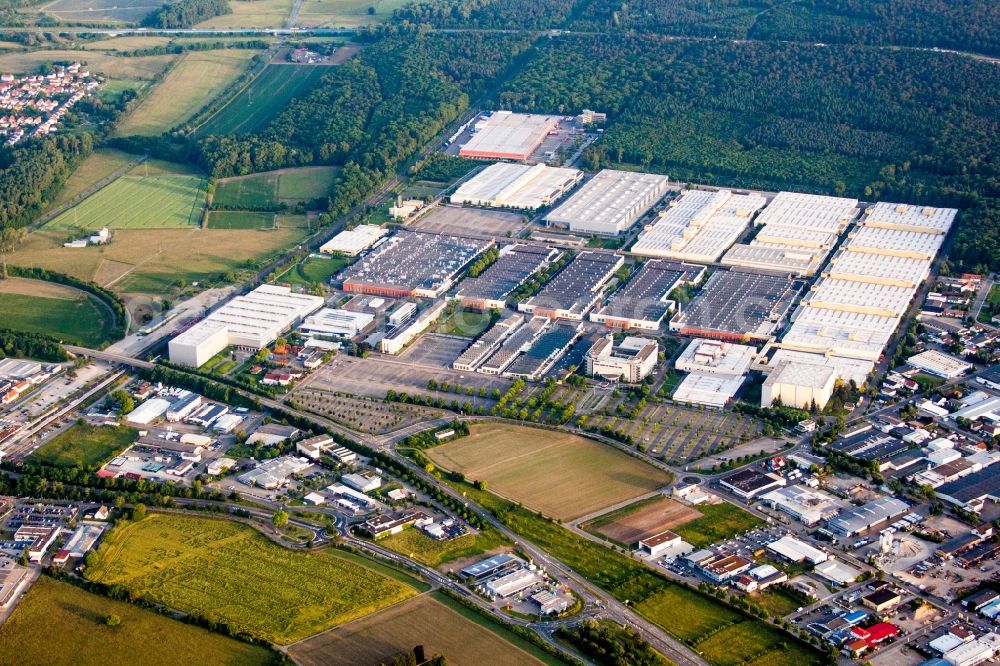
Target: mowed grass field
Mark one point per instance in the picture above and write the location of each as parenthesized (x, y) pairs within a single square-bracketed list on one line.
[(252, 14), (562, 475), (230, 573), (198, 78), (263, 99), (166, 201), (151, 261), (717, 522), (58, 623), (314, 269), (442, 626), (100, 164), (85, 446), (100, 10), (416, 545), (53, 309), (288, 186), (346, 13), (228, 219)]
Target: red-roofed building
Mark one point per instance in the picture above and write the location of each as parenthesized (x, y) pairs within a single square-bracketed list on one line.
[(880, 632), (61, 557), (856, 647)]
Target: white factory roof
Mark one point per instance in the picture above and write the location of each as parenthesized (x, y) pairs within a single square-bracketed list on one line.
[(715, 357), (979, 409), (353, 241), (795, 236), (797, 373), (846, 368), (797, 551), (516, 186), (508, 134), (336, 322), (836, 571), (948, 641), (863, 267), (798, 260), (913, 244), (904, 216), (708, 390), (255, 319), (809, 211), (149, 411), (699, 226), (974, 652), (939, 364), (862, 297), (807, 334), (610, 201)]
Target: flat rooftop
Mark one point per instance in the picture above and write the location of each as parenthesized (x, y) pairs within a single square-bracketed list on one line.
[(904, 216), (505, 185), (645, 297), (575, 287), (514, 266), (798, 373), (411, 260), (862, 267), (860, 297), (506, 135), (876, 240), (709, 390), (610, 202), (809, 211), (698, 226), (984, 483), (739, 303), (801, 261)]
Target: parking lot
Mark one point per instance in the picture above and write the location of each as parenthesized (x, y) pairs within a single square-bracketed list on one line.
[(435, 350), (462, 221)]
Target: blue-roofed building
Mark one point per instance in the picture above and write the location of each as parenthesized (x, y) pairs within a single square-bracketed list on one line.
[(491, 567)]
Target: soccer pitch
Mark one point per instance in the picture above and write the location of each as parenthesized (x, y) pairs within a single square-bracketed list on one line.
[(139, 202)]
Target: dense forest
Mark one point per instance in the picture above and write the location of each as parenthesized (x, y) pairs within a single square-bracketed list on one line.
[(31, 174), (19, 344), (866, 122), (186, 13), (609, 644), (374, 113), (500, 14)]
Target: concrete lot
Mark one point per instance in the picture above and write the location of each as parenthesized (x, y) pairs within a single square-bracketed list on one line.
[(470, 222), (435, 350)]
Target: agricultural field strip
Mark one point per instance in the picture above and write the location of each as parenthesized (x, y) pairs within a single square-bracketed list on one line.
[(145, 196)]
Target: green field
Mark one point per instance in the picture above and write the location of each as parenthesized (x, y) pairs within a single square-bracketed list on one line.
[(230, 573), (718, 522), (84, 446), (428, 551), (227, 219), (256, 105), (314, 270), (269, 190), (139, 202), (77, 617), (61, 312), (466, 323)]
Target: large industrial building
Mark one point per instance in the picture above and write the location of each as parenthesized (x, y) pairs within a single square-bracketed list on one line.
[(335, 323), (939, 364), (852, 311), (738, 305), (797, 384), (644, 301), (716, 372), (972, 491), (512, 268), (412, 263), (407, 327), (508, 136), (576, 288), (868, 516), (250, 322), (352, 242), (698, 226), (629, 361), (805, 504), (797, 232), (505, 185), (610, 202)]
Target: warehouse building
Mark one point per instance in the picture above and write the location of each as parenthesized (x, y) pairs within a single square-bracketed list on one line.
[(487, 343), (798, 384), (412, 263), (904, 217), (738, 305), (868, 516), (250, 322), (797, 232), (577, 287), (890, 270), (807, 505), (972, 491), (409, 329), (335, 323), (939, 364), (352, 242), (797, 551), (545, 352), (515, 265), (610, 202), (630, 361), (748, 483), (490, 567), (644, 301), (508, 136), (516, 344), (698, 226), (716, 372), (519, 186)]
